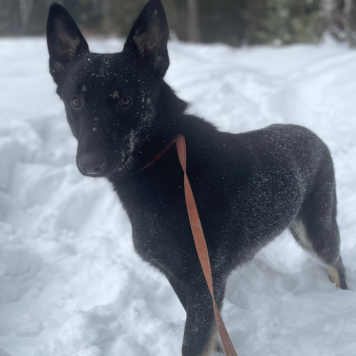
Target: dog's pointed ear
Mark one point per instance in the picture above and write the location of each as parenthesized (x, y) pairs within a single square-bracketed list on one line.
[(149, 36), (65, 41)]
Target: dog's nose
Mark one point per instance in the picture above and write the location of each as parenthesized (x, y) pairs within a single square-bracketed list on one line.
[(93, 164)]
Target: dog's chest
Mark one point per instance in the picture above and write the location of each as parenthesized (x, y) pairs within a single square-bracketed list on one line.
[(160, 225)]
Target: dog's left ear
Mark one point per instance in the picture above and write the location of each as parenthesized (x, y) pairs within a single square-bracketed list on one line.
[(65, 41), (149, 36)]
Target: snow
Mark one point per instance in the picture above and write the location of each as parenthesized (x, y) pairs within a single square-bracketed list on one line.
[(70, 282)]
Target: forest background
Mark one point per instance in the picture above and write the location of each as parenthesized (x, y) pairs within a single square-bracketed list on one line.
[(235, 22)]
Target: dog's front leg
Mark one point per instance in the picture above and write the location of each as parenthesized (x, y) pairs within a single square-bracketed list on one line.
[(180, 290), (200, 334)]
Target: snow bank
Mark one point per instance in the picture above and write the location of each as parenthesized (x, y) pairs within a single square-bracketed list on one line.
[(70, 282)]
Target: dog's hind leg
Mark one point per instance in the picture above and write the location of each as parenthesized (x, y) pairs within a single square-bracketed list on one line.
[(316, 228), (329, 255)]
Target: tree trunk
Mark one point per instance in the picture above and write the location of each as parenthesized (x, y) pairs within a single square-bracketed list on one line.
[(25, 10), (193, 21), (351, 19), (338, 22)]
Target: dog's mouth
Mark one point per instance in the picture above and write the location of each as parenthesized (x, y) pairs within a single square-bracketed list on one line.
[(124, 166), (93, 175), (120, 160)]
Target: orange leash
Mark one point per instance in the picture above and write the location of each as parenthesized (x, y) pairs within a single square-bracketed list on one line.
[(200, 245), (199, 239)]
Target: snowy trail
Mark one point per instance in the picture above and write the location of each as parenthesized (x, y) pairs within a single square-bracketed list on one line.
[(70, 282)]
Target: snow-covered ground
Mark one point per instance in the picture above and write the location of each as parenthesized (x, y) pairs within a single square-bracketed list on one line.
[(70, 282)]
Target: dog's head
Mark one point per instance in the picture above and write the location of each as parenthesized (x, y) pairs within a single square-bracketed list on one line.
[(110, 99)]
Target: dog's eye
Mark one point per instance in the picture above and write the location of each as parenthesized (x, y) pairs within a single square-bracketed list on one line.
[(76, 102), (124, 102)]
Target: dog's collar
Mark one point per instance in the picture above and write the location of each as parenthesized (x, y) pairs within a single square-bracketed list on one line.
[(160, 154)]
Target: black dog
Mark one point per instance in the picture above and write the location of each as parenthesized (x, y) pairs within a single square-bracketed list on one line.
[(248, 187)]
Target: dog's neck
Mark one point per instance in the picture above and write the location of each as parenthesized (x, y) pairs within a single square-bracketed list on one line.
[(161, 154)]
